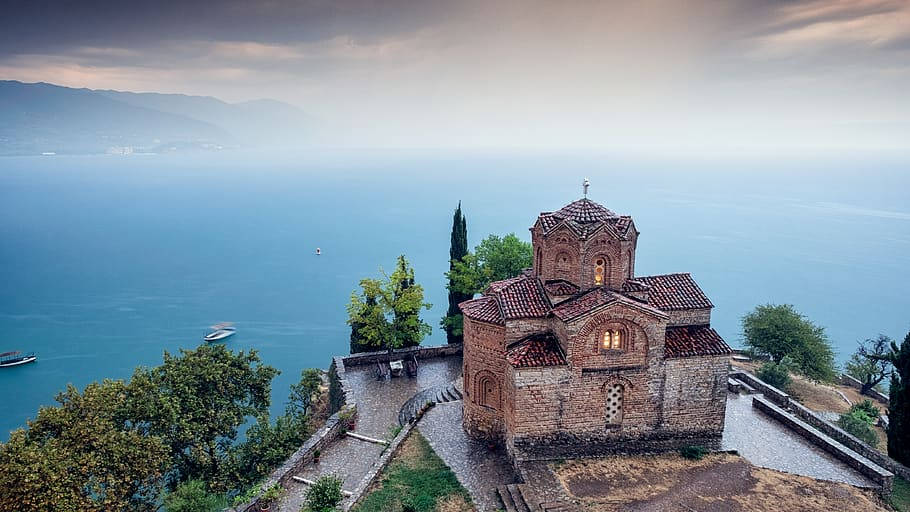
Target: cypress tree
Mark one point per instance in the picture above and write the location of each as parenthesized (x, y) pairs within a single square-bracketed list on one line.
[(458, 248), (899, 407)]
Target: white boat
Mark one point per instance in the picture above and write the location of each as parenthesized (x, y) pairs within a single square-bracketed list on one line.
[(16, 358), (220, 332)]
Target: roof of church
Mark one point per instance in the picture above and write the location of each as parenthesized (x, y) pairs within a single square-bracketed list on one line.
[(596, 297), (584, 217), (560, 287), (520, 297), (539, 349), (484, 309), (675, 291), (694, 340)]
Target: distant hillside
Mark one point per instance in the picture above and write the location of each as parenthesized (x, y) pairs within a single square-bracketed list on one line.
[(37, 118)]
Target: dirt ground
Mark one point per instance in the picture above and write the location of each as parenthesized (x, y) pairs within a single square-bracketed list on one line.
[(717, 483), (821, 397)]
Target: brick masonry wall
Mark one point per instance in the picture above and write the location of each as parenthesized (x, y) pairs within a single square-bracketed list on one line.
[(695, 392), (484, 360), (561, 255)]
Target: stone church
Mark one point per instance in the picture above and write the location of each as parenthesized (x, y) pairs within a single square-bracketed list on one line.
[(578, 356)]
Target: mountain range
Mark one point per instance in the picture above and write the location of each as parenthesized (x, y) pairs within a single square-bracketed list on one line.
[(40, 118)]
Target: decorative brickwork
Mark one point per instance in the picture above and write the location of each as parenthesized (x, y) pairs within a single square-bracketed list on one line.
[(579, 357)]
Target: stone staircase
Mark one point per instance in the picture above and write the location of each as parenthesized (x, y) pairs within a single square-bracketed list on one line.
[(520, 498), (436, 395)]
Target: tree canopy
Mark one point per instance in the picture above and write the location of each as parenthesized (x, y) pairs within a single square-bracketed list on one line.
[(494, 259), (452, 323), (117, 445), (870, 364), (386, 312), (899, 403), (84, 454), (777, 331)]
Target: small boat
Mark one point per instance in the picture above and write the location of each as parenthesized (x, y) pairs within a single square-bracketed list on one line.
[(16, 358), (318, 251), (220, 332)]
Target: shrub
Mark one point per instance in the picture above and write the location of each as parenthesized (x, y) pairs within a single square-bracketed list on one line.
[(777, 374), (325, 494), (855, 422), (693, 452), (867, 410), (779, 330), (192, 496)]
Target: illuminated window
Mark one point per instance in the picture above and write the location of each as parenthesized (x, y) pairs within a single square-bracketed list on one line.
[(612, 339), (614, 404), (599, 267)]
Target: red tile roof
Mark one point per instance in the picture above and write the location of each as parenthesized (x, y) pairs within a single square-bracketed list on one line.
[(675, 291), (484, 309), (585, 217), (520, 297), (560, 287), (632, 285), (694, 340), (536, 350), (585, 302)]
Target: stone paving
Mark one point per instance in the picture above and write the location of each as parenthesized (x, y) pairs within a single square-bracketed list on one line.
[(767, 443), (378, 403), (478, 468)]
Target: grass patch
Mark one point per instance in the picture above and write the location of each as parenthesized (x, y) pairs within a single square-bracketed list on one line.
[(900, 496), (417, 480)]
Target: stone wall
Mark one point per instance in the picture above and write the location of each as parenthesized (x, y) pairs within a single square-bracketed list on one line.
[(695, 393), (848, 440), (382, 356), (874, 472), (847, 380)]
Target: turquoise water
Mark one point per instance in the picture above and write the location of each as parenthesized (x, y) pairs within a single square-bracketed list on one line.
[(106, 262)]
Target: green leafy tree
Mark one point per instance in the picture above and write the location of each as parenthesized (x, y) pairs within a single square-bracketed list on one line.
[(371, 310), (84, 454), (196, 401), (267, 445), (899, 403), (777, 331), (325, 494), (777, 373), (494, 259), (395, 321), (452, 323), (192, 496), (870, 364)]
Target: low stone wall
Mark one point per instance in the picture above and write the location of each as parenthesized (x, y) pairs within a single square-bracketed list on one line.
[(847, 380), (874, 472), (777, 396), (383, 356), (848, 440), (564, 445), (361, 490)]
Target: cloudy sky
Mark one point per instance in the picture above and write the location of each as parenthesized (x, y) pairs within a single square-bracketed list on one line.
[(724, 75)]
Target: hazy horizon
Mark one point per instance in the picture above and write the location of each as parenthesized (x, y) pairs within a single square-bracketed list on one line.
[(806, 77)]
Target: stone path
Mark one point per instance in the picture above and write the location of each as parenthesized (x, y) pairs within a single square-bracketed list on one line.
[(378, 406), (765, 442), (479, 469)]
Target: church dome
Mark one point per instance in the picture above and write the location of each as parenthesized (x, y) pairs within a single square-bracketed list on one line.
[(585, 211)]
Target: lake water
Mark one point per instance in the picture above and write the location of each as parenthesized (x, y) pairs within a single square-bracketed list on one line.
[(106, 262)]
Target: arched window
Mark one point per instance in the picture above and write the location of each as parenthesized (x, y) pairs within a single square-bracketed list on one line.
[(563, 265), (613, 399), (488, 392), (600, 266), (612, 339), (539, 267)]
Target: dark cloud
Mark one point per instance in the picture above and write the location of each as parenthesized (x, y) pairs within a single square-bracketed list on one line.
[(54, 26)]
